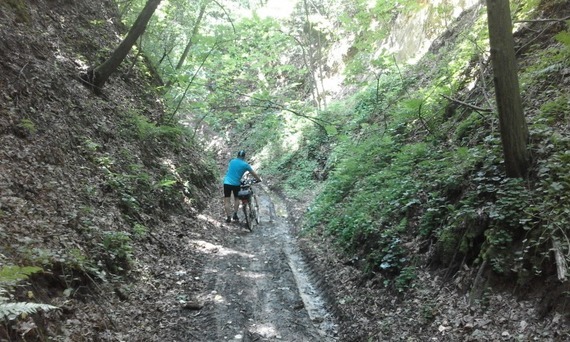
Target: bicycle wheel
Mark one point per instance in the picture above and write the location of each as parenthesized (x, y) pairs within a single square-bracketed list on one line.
[(256, 209), (252, 215), (247, 214)]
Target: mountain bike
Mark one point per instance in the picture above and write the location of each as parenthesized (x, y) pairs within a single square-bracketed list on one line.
[(249, 203)]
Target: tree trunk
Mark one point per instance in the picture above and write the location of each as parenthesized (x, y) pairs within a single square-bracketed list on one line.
[(190, 42), (514, 131), (311, 55), (194, 33), (98, 76)]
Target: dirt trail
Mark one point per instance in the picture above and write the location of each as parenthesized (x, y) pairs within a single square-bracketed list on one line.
[(257, 286)]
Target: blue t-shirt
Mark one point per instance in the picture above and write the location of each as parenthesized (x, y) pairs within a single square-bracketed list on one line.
[(236, 169)]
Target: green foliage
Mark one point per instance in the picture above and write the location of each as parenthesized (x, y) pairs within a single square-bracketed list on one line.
[(467, 127), (28, 125), (428, 311), (166, 183), (396, 162), (11, 311), (385, 187), (548, 61), (548, 218), (393, 255), (117, 246), (524, 9), (405, 279), (90, 145), (302, 178), (148, 131), (71, 260), (135, 188), (9, 276), (556, 110), (564, 38), (299, 171), (368, 192), (20, 8), (139, 230)]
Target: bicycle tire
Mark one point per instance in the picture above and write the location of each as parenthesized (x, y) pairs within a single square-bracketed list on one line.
[(252, 215), (246, 213), (256, 209)]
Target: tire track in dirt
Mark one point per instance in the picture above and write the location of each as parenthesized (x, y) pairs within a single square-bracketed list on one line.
[(257, 285)]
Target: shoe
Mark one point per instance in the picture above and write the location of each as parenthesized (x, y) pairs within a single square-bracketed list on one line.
[(236, 218), (228, 219)]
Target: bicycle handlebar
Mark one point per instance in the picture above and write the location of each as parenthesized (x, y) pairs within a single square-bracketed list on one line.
[(249, 181)]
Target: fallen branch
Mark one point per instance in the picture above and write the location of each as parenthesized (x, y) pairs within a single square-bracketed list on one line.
[(480, 109)]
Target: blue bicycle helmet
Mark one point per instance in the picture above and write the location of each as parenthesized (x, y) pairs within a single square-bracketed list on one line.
[(241, 154)]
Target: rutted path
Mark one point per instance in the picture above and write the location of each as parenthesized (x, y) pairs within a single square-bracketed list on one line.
[(257, 286)]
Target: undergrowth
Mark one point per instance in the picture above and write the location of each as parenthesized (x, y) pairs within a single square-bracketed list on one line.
[(10, 310), (408, 169)]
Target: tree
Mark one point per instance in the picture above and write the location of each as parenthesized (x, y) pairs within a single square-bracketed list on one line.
[(513, 127), (190, 41), (97, 76)]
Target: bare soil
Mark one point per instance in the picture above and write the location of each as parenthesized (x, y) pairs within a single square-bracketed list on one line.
[(252, 283)]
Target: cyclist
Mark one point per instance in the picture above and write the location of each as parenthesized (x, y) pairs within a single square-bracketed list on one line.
[(236, 168)]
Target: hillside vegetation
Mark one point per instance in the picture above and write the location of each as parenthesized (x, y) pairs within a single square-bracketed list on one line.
[(413, 185), (421, 165)]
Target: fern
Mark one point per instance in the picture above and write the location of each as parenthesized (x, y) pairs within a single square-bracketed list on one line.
[(10, 275), (12, 311), (564, 38)]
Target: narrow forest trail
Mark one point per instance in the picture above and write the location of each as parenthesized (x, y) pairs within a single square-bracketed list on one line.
[(257, 286)]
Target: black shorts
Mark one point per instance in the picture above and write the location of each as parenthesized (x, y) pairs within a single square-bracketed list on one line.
[(228, 189)]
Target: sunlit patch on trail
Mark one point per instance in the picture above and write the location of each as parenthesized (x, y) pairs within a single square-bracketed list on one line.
[(251, 275), (212, 297), (209, 219), (208, 247), (265, 330), (218, 299)]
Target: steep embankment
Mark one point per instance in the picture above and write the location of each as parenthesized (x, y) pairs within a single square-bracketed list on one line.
[(91, 190), (468, 266)]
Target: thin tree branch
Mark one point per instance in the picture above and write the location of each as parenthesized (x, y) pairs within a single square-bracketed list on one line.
[(198, 124), (423, 121), (274, 105), (229, 18), (479, 109), (190, 83), (536, 37)]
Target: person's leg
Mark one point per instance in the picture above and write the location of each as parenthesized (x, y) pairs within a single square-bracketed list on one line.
[(236, 207), (227, 202), (228, 206), (236, 202)]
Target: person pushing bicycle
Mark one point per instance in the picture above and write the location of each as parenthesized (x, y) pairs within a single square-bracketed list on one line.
[(236, 169)]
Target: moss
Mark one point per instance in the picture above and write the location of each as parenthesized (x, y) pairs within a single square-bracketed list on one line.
[(467, 126), (20, 9), (556, 110)]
